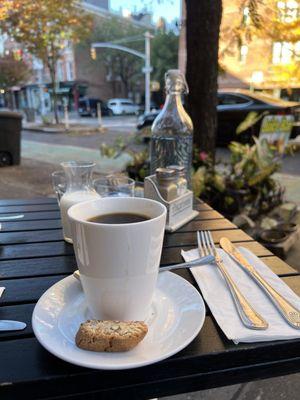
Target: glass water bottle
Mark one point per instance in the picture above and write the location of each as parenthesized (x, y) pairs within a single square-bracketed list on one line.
[(172, 130)]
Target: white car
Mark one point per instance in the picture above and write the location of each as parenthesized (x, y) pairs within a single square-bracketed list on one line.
[(122, 106)]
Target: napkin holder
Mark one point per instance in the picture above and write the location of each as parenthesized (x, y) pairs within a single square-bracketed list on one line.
[(179, 211)]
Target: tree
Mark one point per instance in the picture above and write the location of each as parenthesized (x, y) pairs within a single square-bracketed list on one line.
[(12, 72), (272, 22), (203, 20), (4, 7), (45, 28), (119, 65), (164, 54)]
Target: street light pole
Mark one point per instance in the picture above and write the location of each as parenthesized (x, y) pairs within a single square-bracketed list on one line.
[(147, 71)]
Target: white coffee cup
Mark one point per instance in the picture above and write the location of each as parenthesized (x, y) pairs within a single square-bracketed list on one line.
[(118, 263)]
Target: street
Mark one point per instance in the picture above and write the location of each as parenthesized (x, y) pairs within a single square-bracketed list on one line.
[(114, 127)]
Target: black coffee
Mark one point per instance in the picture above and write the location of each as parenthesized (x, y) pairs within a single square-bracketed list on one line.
[(118, 218)]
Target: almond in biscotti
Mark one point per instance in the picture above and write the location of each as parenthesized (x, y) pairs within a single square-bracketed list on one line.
[(111, 336)]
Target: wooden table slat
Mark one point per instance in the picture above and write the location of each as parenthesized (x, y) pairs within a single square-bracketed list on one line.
[(24, 202), (31, 267), (47, 235), (32, 250), (202, 206), (212, 225), (30, 225), (27, 290), (31, 216), (190, 238), (208, 214), (20, 209)]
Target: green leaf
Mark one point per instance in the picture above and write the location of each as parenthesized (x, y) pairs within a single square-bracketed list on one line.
[(251, 119), (198, 181)]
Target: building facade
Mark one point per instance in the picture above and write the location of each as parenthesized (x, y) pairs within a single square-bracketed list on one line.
[(76, 74), (260, 63)]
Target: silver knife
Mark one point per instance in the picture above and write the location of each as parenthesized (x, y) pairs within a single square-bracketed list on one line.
[(7, 325), (9, 217), (290, 313)]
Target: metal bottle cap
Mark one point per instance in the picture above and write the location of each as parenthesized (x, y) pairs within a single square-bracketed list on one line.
[(175, 81), (165, 173), (178, 168)]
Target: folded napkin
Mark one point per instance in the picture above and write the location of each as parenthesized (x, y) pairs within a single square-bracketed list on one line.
[(217, 295)]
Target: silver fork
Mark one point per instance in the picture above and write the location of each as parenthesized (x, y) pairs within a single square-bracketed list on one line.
[(250, 318)]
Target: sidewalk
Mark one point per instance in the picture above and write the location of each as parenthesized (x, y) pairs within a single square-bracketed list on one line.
[(86, 123), (57, 153)]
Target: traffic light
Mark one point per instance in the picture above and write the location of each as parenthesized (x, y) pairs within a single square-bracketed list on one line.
[(93, 53)]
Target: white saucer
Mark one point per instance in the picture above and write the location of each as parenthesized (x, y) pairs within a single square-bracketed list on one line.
[(177, 316)]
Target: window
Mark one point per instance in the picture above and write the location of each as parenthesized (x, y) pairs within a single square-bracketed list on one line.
[(243, 53), (246, 16), (285, 52), (297, 51), (288, 11), (70, 75), (2, 41), (60, 72), (225, 99)]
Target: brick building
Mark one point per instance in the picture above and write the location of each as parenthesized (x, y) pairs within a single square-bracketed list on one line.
[(76, 75), (261, 63)]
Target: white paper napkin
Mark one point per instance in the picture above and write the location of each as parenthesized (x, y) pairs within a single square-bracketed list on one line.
[(216, 293)]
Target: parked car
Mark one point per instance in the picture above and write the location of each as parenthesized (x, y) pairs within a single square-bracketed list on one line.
[(123, 106), (88, 107), (233, 107), (154, 106)]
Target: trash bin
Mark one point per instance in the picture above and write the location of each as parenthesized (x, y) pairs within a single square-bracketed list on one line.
[(10, 137)]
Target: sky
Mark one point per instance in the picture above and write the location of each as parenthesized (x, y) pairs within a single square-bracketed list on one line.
[(169, 9)]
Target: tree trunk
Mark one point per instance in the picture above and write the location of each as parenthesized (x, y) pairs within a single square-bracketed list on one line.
[(52, 70), (203, 19)]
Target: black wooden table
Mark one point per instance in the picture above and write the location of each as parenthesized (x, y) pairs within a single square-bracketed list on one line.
[(33, 256)]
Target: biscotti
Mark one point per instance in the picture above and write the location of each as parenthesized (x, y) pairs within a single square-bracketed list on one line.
[(110, 336)]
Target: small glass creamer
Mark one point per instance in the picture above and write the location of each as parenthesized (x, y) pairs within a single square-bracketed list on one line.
[(79, 188)]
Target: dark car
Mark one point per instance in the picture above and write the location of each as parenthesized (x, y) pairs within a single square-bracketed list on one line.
[(233, 108), (88, 107)]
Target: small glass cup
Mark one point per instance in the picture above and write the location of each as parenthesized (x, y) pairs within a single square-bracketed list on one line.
[(59, 183), (114, 186)]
